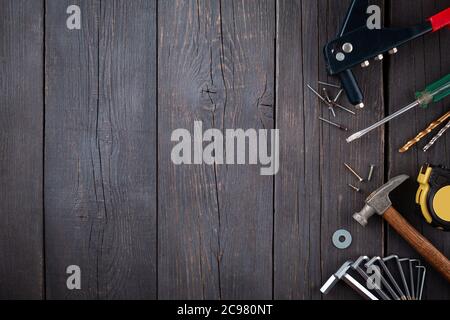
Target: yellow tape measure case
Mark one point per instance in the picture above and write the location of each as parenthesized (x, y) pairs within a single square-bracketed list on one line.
[(433, 195)]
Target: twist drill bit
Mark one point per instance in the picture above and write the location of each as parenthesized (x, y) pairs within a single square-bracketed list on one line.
[(425, 132), (432, 142)]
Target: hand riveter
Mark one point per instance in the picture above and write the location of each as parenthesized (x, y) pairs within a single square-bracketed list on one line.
[(356, 44)]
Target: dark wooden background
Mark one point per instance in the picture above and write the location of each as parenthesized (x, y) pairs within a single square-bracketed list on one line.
[(85, 123)]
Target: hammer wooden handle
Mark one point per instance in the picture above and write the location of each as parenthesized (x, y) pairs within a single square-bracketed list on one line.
[(432, 255)]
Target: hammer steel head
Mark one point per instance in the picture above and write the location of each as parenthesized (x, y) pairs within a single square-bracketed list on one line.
[(378, 201)]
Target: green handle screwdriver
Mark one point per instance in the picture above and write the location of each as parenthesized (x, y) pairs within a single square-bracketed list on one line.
[(433, 93)]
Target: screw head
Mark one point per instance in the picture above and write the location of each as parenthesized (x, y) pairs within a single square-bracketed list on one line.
[(379, 57), (347, 47), (340, 56), (359, 106)]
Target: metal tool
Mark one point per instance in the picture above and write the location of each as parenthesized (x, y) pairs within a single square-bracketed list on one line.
[(420, 281), (433, 93), (379, 203), (356, 44), (337, 125), (410, 273), (345, 235), (356, 266), (369, 177), (342, 274), (414, 263), (424, 132), (397, 294), (402, 274), (353, 172), (436, 137), (433, 195)]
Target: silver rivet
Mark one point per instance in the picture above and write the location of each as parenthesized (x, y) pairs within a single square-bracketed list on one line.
[(379, 57), (393, 51), (360, 106), (347, 47), (365, 64), (340, 56)]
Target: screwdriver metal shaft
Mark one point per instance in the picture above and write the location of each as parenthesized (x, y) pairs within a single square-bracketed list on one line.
[(361, 133), (433, 93)]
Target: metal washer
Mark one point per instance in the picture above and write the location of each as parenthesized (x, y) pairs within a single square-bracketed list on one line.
[(347, 239)]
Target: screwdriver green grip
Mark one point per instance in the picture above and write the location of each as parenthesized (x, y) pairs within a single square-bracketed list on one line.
[(434, 92)]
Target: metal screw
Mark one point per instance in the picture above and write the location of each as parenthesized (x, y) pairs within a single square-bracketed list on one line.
[(379, 57), (354, 172), (347, 47), (340, 56), (372, 167), (365, 64), (393, 51), (354, 188), (359, 106)]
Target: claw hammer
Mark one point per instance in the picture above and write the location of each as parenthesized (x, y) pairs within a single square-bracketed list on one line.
[(379, 203)]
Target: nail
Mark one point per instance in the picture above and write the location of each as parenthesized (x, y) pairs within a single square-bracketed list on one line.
[(354, 172), (333, 124), (354, 188)]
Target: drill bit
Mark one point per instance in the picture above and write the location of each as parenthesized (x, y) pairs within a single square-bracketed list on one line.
[(425, 132), (433, 141)]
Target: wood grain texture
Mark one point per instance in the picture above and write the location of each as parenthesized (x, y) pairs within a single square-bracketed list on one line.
[(100, 155), (312, 196), (216, 65), (21, 148), (417, 64)]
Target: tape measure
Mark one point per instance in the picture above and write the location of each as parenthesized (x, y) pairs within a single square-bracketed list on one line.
[(433, 195)]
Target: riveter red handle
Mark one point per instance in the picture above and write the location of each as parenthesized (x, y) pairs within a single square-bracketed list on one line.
[(440, 20)]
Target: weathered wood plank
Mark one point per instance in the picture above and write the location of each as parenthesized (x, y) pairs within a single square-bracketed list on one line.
[(416, 65), (100, 157), (216, 65), (312, 197), (297, 185), (21, 143)]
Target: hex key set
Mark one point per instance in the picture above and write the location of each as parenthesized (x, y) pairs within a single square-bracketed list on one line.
[(389, 278)]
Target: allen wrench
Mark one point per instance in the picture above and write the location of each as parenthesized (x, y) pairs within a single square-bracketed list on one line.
[(402, 274)]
